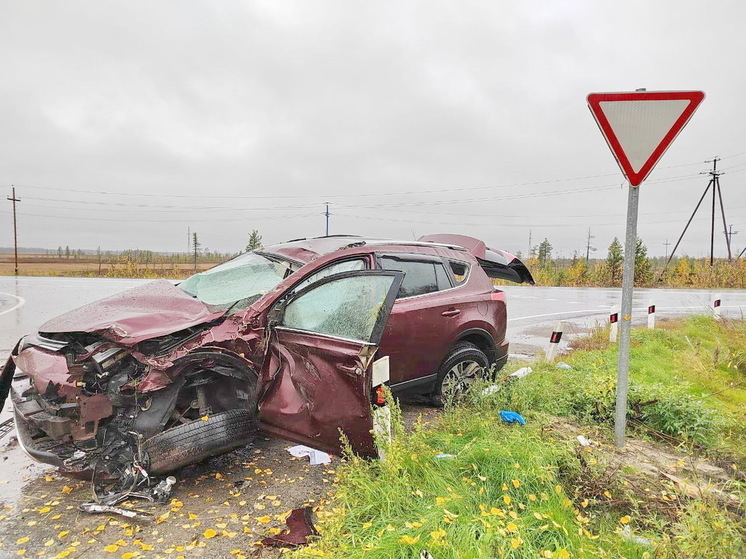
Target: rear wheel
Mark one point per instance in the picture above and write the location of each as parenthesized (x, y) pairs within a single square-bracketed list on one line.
[(464, 365)]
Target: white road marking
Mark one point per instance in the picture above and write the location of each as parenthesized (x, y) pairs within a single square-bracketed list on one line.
[(21, 302), (590, 312)]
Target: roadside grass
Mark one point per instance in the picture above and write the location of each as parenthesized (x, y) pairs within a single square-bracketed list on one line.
[(687, 383), (472, 486), (469, 487)]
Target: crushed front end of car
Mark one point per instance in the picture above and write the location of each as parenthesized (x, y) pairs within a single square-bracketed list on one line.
[(112, 390), (74, 403)]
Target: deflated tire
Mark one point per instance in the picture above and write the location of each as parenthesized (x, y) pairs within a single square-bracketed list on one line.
[(197, 440)]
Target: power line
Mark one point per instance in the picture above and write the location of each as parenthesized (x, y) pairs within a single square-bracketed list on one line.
[(158, 220), (353, 195)]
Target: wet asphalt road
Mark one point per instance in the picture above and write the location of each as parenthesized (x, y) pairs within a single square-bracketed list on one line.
[(27, 302)]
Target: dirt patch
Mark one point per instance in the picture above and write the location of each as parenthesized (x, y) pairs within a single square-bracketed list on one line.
[(644, 475)]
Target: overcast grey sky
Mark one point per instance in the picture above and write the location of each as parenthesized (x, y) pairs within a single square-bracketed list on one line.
[(122, 124)]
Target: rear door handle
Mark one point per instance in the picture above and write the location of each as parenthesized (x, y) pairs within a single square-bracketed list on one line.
[(451, 312)]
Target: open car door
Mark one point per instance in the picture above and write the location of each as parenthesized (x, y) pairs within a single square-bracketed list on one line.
[(495, 263), (317, 372)]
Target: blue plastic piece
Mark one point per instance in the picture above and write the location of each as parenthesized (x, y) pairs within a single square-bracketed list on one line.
[(512, 417)]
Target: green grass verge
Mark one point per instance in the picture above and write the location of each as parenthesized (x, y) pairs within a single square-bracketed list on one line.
[(500, 494), (687, 383)]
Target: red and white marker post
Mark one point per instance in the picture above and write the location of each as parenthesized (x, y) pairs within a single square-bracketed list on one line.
[(716, 306), (651, 314), (614, 322), (638, 127), (554, 341)]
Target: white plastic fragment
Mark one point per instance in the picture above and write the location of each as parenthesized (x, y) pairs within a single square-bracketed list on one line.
[(441, 456), (583, 441), (563, 365), (316, 456), (491, 389), (627, 534), (522, 372)]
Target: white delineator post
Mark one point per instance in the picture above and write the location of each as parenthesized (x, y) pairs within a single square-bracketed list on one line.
[(554, 340), (716, 306), (651, 314), (614, 321)]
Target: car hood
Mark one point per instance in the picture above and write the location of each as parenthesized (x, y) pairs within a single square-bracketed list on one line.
[(147, 311), (496, 263)]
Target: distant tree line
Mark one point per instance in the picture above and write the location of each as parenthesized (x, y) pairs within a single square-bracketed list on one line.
[(649, 272)]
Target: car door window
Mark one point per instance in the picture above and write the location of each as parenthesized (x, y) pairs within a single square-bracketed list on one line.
[(422, 276), (336, 268), (344, 306)]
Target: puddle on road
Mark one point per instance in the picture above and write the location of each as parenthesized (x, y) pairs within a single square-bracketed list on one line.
[(16, 471)]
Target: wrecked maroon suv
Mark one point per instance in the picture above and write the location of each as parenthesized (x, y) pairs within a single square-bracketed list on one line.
[(281, 339)]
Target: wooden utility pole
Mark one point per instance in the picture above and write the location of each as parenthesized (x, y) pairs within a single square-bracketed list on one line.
[(716, 196), (15, 226)]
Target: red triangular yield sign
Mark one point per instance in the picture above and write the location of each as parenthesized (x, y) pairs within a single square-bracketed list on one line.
[(640, 126)]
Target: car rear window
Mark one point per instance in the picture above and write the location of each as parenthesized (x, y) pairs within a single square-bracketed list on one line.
[(459, 271), (421, 276)]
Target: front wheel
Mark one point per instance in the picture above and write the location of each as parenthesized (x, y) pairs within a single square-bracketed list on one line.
[(194, 441), (463, 367)]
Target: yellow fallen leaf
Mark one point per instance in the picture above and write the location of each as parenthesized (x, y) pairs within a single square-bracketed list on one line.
[(67, 489), (205, 417), (515, 543), (506, 499), (511, 527), (563, 554), (111, 548), (130, 555), (625, 519), (409, 540), (264, 519), (516, 483), (218, 475), (63, 533), (209, 533), (22, 540), (44, 510)]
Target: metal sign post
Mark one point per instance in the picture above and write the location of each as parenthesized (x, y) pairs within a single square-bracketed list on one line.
[(638, 127), (625, 328)]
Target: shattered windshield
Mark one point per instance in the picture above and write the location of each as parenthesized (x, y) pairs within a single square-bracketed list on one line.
[(238, 282)]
